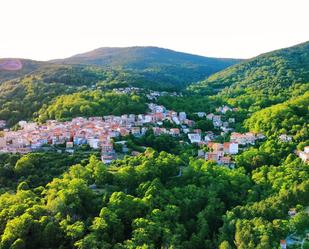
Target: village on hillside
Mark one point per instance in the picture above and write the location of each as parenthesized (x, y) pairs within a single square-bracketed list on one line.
[(99, 133)]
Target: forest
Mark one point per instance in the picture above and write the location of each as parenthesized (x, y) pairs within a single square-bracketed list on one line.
[(164, 196), (143, 202)]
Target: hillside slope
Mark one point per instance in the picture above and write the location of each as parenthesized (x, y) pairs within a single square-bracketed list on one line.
[(162, 65), (11, 68), (269, 77)]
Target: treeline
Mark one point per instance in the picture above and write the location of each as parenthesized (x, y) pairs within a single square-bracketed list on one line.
[(92, 103), (290, 117), (262, 81), (21, 99), (139, 202), (154, 200), (37, 169)]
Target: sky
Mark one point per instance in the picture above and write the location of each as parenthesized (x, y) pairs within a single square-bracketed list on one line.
[(50, 29)]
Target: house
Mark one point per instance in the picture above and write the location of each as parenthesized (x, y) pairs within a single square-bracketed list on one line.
[(210, 116), (107, 147), (182, 116), (136, 131), (283, 244), (231, 120), (223, 109), (94, 142), (144, 130), (198, 131), (107, 154), (147, 118), (157, 131), (194, 137), (214, 156), (207, 138), (230, 148), (200, 114), (135, 153), (200, 153), (225, 160), (69, 145), (215, 146), (107, 158), (243, 139), (285, 138), (176, 120), (2, 124), (304, 155), (124, 146), (189, 122), (174, 132), (159, 109), (2, 142), (292, 212), (157, 116)]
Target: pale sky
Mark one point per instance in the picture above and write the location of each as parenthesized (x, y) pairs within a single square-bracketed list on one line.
[(49, 29)]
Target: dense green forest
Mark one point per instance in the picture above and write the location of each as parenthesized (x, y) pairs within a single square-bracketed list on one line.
[(261, 81), (155, 64), (290, 117), (92, 103), (143, 202), (21, 99), (164, 197), (28, 66)]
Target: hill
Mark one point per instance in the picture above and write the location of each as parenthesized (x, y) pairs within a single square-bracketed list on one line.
[(290, 117), (161, 65), (11, 68), (261, 81)]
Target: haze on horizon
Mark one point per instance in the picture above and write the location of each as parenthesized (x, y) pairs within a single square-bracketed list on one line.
[(51, 29)]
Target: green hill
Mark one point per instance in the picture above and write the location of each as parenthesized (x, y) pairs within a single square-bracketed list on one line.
[(162, 66), (290, 117), (261, 81), (12, 68)]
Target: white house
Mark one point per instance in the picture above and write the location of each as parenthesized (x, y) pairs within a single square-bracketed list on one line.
[(230, 148), (182, 116), (194, 137)]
